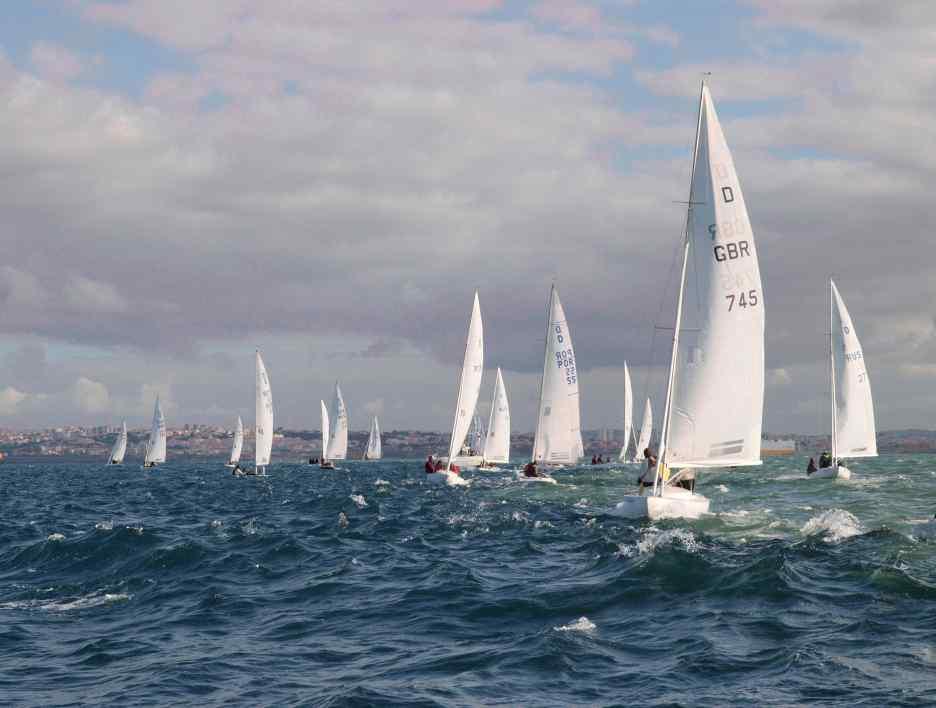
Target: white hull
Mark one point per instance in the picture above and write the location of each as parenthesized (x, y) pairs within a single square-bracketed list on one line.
[(448, 478), (541, 480), (465, 461), (676, 503), (836, 472)]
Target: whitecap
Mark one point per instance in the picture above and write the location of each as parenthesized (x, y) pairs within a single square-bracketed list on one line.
[(359, 500), (138, 530), (520, 516), (381, 483), (654, 538), (342, 519), (833, 524), (104, 526), (582, 624), (216, 523), (722, 488), (55, 537), (542, 524)]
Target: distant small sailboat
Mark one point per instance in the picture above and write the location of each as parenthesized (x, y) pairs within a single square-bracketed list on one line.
[(264, 419), (628, 415), (853, 429), (324, 462), (713, 411), (338, 442), (558, 437), (238, 444), (497, 441), (469, 387), (119, 450), (373, 450), (156, 446), (645, 435)]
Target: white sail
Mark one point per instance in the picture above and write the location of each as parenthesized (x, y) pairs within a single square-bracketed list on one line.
[(558, 438), (156, 447), (338, 442), (646, 432), (119, 450), (497, 442), (373, 450), (264, 413), (469, 384), (853, 407), (628, 413), (325, 431), (717, 383), (238, 442)]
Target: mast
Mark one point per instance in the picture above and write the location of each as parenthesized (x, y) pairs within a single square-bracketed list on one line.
[(832, 376), (671, 380), (539, 409)]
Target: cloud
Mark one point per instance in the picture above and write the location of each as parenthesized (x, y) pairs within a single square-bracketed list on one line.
[(91, 396), (87, 295), (10, 398), (375, 407), (55, 62)]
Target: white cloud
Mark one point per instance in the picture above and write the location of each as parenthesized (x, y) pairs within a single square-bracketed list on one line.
[(87, 295), (55, 62), (91, 396), (10, 398)]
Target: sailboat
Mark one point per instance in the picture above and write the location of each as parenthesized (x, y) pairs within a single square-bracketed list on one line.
[(264, 419), (853, 429), (497, 442), (558, 437), (373, 450), (156, 446), (469, 386), (238, 444), (471, 453), (324, 462), (628, 415), (713, 411), (338, 442), (645, 434), (120, 447)]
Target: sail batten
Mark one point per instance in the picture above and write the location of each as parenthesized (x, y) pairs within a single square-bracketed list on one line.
[(264, 416), (469, 383), (497, 442)]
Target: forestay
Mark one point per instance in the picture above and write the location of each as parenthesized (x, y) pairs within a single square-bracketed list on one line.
[(558, 438), (718, 396), (156, 446), (469, 384), (238, 442), (120, 446), (628, 413), (373, 450), (854, 409), (264, 413), (338, 443), (497, 442)]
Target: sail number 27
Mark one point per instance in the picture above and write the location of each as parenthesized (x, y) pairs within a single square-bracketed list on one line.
[(748, 299)]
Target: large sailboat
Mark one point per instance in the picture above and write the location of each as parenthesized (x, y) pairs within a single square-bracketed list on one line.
[(238, 444), (497, 441), (558, 437), (119, 450), (853, 429), (713, 411), (156, 445), (338, 442), (373, 450), (264, 419), (469, 386)]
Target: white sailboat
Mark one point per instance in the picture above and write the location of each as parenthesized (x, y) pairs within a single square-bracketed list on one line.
[(645, 434), (469, 387), (853, 429), (558, 437), (497, 442), (238, 444), (119, 450), (714, 403), (628, 415), (324, 462), (264, 419), (338, 442), (373, 450), (156, 446)]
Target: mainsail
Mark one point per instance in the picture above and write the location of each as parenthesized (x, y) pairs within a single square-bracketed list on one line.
[(264, 413), (715, 401), (558, 438), (373, 450), (469, 384), (120, 447), (646, 432), (325, 431), (238, 442), (853, 408), (628, 413), (156, 446), (497, 442), (338, 443)]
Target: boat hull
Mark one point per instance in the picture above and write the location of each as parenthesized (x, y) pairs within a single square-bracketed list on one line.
[(534, 480), (445, 478), (464, 461), (836, 472), (675, 503)]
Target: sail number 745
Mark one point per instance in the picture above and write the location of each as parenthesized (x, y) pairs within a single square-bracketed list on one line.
[(748, 299)]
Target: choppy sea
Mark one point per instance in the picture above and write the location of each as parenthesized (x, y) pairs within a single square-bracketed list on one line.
[(367, 587)]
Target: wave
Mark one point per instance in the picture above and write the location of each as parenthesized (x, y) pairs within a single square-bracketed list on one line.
[(833, 525), (582, 624)]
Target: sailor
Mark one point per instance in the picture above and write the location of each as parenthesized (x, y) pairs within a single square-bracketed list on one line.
[(825, 460), (594, 460), (811, 467), (647, 478), (430, 466), (530, 470)]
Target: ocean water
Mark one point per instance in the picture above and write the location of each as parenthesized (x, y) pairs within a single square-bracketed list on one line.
[(366, 586)]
